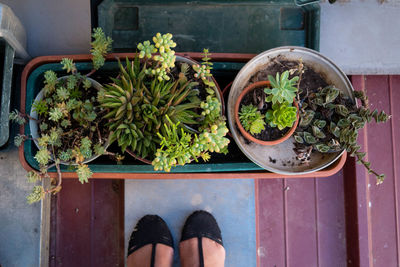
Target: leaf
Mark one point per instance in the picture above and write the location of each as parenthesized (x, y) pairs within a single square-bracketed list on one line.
[(342, 110), (322, 148), (343, 123), (319, 123), (309, 138), (84, 173), (331, 94), (317, 132), (298, 139)]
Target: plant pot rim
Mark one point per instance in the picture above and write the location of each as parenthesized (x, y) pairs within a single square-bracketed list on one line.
[(283, 152), (34, 129), (246, 134)]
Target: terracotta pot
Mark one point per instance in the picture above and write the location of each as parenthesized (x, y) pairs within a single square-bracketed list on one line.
[(247, 135)]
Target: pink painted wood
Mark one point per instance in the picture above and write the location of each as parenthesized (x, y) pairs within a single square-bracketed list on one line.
[(302, 222), (377, 214)]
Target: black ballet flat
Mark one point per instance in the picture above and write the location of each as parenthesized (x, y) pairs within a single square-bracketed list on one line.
[(151, 229), (201, 224)]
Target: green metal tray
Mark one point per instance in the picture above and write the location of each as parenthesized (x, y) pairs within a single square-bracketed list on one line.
[(224, 26), (224, 72)]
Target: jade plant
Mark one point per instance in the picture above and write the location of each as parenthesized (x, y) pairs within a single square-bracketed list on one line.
[(70, 120), (156, 101), (329, 122)]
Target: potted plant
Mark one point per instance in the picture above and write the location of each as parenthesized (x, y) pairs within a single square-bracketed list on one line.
[(66, 121), (266, 111), (329, 114), (163, 109)]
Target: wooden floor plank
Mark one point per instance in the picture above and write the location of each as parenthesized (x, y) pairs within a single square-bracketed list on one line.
[(73, 225), (394, 84), (382, 198), (331, 221), (271, 222), (88, 228), (301, 223), (362, 239), (106, 224)]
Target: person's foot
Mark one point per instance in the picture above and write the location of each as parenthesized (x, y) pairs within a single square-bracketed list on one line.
[(201, 242), (151, 244)]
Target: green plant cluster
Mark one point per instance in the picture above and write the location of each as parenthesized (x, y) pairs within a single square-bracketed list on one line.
[(151, 94), (281, 116), (179, 147), (251, 119), (329, 122), (162, 62), (281, 94), (282, 113), (68, 121)]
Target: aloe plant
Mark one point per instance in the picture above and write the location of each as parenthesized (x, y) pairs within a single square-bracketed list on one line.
[(146, 99)]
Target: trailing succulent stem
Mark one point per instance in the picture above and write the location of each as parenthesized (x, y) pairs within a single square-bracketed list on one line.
[(330, 122)]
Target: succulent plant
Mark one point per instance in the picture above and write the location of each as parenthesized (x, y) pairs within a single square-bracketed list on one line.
[(137, 109), (147, 99), (281, 116), (68, 121), (179, 147), (161, 63), (251, 119), (282, 88), (329, 122)]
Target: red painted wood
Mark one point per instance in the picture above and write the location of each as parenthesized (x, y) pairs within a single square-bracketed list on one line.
[(107, 229), (394, 84), (359, 206), (331, 221), (382, 197), (272, 250), (301, 225), (88, 229), (73, 246)]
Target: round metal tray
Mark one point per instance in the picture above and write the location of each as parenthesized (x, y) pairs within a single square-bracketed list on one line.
[(282, 158)]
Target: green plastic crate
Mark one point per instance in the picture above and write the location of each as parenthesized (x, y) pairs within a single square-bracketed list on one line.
[(223, 26)]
